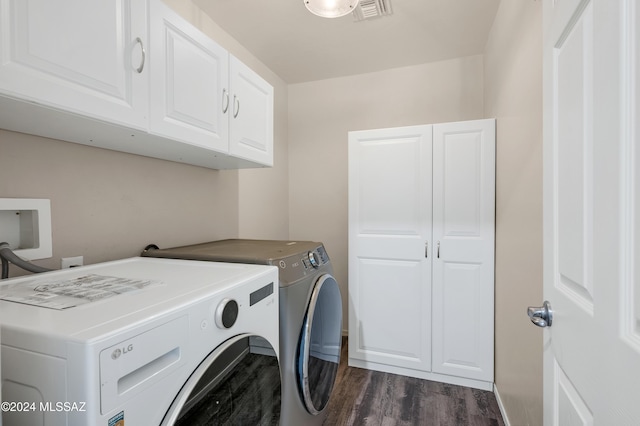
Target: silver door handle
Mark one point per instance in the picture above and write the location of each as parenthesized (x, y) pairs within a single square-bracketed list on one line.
[(225, 99), (141, 67), (541, 316), (236, 101)]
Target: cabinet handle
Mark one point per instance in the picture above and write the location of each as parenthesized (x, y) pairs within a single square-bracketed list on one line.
[(141, 67), (225, 105), (236, 101), (426, 249), (438, 249)]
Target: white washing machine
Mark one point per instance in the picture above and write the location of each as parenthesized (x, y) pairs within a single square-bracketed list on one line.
[(310, 316), (141, 342)]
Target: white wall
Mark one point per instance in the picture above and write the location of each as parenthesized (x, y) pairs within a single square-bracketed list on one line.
[(107, 205), (321, 114), (513, 94)]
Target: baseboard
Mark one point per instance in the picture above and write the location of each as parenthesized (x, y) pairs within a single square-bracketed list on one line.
[(502, 410), (420, 374)]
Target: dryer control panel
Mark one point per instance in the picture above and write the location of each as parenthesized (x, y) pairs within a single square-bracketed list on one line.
[(315, 258), (297, 266)]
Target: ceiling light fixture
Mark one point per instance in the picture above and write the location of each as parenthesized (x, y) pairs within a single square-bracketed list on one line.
[(331, 8)]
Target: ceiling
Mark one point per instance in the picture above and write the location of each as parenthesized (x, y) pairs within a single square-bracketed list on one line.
[(299, 46)]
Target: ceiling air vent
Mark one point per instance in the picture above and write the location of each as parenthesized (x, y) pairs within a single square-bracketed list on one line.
[(369, 9)]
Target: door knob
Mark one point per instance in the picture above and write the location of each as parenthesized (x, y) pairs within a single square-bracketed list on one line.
[(541, 316)]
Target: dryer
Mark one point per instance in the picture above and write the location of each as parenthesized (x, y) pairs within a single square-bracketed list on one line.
[(310, 316), (141, 341)]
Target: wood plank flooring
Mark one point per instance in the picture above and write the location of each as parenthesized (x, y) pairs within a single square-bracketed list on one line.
[(360, 398), (367, 398)]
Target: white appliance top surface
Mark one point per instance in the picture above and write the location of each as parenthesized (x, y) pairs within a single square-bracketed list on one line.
[(174, 285)]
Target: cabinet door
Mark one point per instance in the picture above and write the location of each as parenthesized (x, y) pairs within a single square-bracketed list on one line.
[(389, 260), (463, 234), (189, 82), (76, 55), (251, 115)]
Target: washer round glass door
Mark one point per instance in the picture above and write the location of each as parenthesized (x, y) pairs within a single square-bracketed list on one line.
[(236, 384), (320, 344)]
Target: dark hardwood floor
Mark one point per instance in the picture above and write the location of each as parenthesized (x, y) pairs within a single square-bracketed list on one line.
[(360, 398), (366, 398)]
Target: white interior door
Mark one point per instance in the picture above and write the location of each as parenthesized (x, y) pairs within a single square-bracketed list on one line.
[(591, 216), (389, 229), (463, 237)]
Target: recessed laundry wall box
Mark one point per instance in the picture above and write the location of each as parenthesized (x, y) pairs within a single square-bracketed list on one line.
[(25, 224), (421, 251)]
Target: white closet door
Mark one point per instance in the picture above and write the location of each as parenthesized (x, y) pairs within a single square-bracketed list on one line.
[(463, 238), (389, 226)]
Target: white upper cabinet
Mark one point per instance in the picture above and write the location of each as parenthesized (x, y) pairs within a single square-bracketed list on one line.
[(83, 57), (189, 82), (202, 95), (251, 115), (130, 76)]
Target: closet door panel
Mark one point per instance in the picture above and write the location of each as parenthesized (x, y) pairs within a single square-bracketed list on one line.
[(463, 234), (390, 224), (391, 296)]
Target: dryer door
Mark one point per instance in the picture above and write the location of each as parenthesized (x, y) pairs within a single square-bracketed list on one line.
[(238, 383), (320, 343)]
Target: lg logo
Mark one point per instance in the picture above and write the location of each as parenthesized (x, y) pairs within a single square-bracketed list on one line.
[(118, 352)]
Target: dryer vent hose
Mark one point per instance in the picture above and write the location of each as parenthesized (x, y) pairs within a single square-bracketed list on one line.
[(150, 247), (8, 256)]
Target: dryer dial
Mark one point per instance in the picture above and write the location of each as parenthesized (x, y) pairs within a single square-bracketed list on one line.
[(226, 313), (314, 260)]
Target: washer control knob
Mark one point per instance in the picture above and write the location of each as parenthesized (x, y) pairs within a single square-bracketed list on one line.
[(314, 260), (226, 313)]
